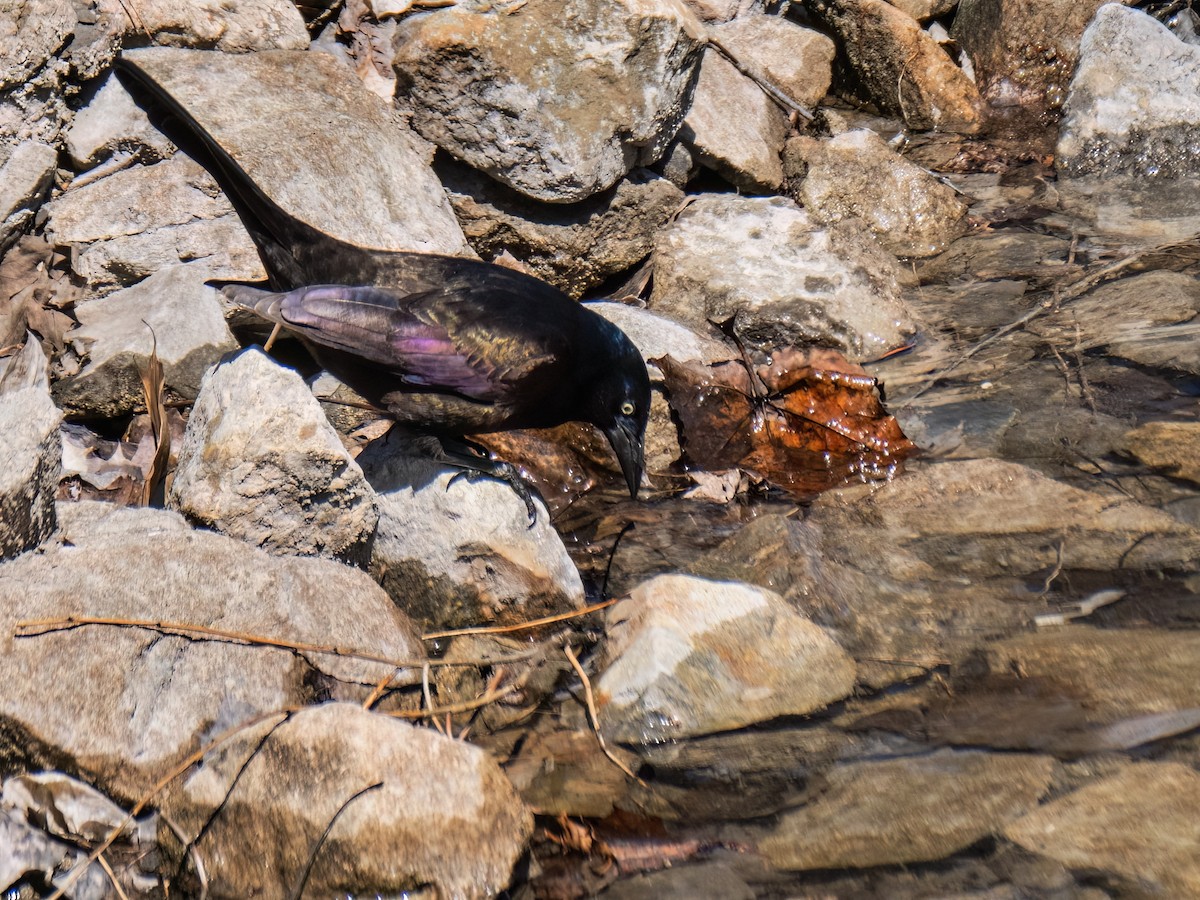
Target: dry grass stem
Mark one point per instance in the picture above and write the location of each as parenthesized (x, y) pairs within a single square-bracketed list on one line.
[(593, 716), (521, 626)]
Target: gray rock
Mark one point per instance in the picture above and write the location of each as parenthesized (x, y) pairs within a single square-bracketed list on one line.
[(734, 128), (684, 657), (132, 223), (31, 447), (1137, 825), (657, 336), (260, 462), (27, 852), (443, 817), (1008, 252), (797, 60), (901, 67), (573, 246), (788, 280), (172, 312), (316, 141), (856, 175), (558, 101), (907, 810), (112, 122), (724, 10), (151, 699), (220, 25), (685, 882), (24, 181), (462, 553), (1132, 106), (1147, 318), (1168, 446), (33, 31), (1023, 52)]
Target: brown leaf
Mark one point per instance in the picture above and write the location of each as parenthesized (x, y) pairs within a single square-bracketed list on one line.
[(808, 421), (153, 383)]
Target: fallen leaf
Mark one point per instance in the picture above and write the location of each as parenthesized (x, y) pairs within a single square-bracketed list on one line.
[(807, 421)]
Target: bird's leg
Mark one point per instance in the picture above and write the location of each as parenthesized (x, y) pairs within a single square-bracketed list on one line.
[(475, 463)]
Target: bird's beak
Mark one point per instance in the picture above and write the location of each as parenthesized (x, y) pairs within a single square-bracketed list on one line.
[(630, 454)]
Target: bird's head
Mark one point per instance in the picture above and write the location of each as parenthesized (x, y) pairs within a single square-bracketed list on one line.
[(619, 402)]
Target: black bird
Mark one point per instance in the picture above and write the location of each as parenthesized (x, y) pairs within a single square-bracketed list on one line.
[(446, 345)]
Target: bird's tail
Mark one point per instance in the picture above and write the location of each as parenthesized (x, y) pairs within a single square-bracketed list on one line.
[(275, 232)]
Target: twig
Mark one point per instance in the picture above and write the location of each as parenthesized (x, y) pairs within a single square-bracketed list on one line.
[(522, 626), (116, 164), (299, 892), (1056, 570), (112, 876), (193, 851), (380, 686), (464, 706), (159, 786), (771, 90), (592, 715), (271, 340)]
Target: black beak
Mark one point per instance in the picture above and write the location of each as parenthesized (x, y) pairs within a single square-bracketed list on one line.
[(629, 449)]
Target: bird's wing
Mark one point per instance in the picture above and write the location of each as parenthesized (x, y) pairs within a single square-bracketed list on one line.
[(458, 338)]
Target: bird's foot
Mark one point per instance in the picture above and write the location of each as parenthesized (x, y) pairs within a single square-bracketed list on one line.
[(475, 464)]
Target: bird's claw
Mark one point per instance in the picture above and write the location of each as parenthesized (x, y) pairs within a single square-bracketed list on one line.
[(503, 471)]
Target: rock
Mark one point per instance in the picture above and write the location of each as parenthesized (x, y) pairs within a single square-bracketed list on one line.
[(173, 313), (143, 701), (1023, 52), (1013, 254), (1146, 318), (924, 10), (474, 559), (410, 809), (24, 180), (797, 60), (333, 154), (31, 448), (33, 31), (907, 810), (682, 883), (1169, 446), (220, 25), (130, 224), (28, 853), (787, 280), (857, 175), (902, 68), (1137, 825), (260, 462), (734, 128), (686, 657), (113, 122), (1131, 108), (558, 101), (575, 247), (724, 10), (656, 336)]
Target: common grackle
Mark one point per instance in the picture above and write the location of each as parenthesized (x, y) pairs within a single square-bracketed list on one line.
[(445, 345)]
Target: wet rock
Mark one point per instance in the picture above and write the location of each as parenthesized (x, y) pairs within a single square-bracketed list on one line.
[(413, 809), (1023, 51), (1002, 253), (261, 463), (144, 701), (573, 246), (735, 129), (902, 68), (1169, 446), (128, 225), (1137, 826), (173, 313), (797, 60), (558, 101), (112, 122), (24, 180), (1131, 109), (1146, 318), (682, 883), (561, 772), (788, 280), (907, 810), (220, 25), (685, 657), (656, 336), (31, 448), (455, 551), (856, 175), (362, 178)]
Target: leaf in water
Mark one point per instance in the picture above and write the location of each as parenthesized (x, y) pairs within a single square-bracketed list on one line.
[(808, 421)]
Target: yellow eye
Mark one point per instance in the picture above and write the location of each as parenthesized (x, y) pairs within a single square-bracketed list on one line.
[(627, 408)]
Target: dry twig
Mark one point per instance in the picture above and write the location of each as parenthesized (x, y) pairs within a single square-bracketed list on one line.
[(593, 716)]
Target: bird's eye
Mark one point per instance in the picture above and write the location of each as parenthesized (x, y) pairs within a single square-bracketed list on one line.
[(627, 408)]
